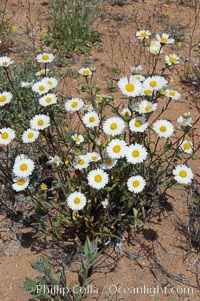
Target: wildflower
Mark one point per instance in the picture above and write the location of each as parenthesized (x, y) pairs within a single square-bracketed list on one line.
[(6, 136), (13, 27), (163, 128), (23, 168), (20, 157), (42, 72), (125, 112), (136, 153), (55, 160), (172, 59), (143, 34), (48, 99), (154, 83), (93, 157), (5, 97), (5, 61), (186, 146), (108, 163), (76, 201), (114, 126), (20, 183), (183, 174), (45, 58), (97, 178), (27, 84), (185, 120), (43, 187), (74, 105), (146, 92), (40, 122), (116, 148), (144, 107), (164, 39), (105, 203), (155, 47), (44, 31), (137, 69), (91, 119), (30, 136), (81, 162), (85, 71), (136, 184), (138, 77), (138, 124), (50, 81), (173, 94), (130, 87), (41, 87), (78, 138)]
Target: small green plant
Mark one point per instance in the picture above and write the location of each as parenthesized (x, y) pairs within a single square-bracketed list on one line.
[(72, 25)]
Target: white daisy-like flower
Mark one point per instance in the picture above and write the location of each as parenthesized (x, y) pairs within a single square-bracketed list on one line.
[(164, 39), (45, 58), (78, 138), (91, 119), (139, 77), (146, 92), (144, 106), (23, 168), (155, 48), (116, 148), (50, 81), (55, 160), (97, 178), (172, 94), (74, 104), (20, 183), (186, 146), (185, 120), (6, 136), (143, 34), (137, 69), (136, 153), (114, 126), (93, 157), (21, 157), (5, 97), (138, 124), (42, 72), (85, 71), (154, 83), (30, 136), (136, 184), (130, 87), (183, 174), (163, 128), (5, 61), (76, 201), (48, 99), (125, 112), (81, 162), (172, 59), (40, 122), (108, 163), (40, 87), (27, 84)]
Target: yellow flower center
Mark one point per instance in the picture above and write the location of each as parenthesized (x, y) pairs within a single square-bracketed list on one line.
[(135, 153), (5, 64), (163, 40), (2, 98), (40, 122), (183, 174), (30, 135), (42, 72), (153, 83), (81, 162), (116, 148), (172, 60), (147, 92), (113, 126), (20, 181), (172, 93), (138, 123), (41, 88), (130, 87), (86, 72), (4, 135), (48, 99), (108, 161), (94, 158), (77, 139), (127, 114), (135, 183), (23, 167), (148, 108), (162, 92), (43, 186), (186, 145), (143, 35), (98, 178), (163, 128), (77, 201), (45, 57), (74, 104), (91, 119), (49, 82)]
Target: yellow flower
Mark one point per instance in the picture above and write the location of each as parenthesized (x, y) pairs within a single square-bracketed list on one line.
[(66, 162), (44, 31), (43, 186), (14, 28)]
